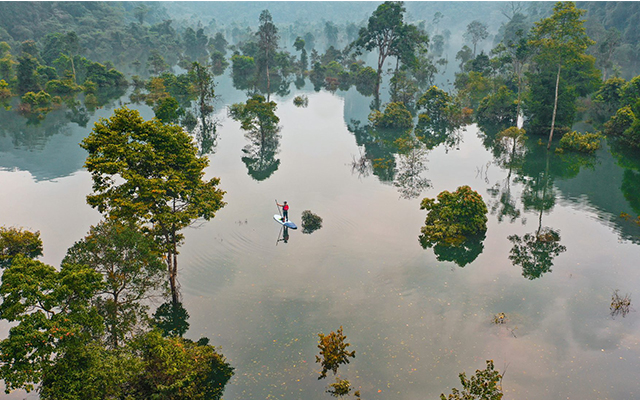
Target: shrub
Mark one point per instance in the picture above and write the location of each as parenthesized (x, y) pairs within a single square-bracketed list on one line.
[(395, 115), (581, 142), (453, 216), (301, 101), (310, 222)]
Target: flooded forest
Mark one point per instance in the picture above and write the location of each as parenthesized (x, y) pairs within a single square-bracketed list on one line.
[(316, 200)]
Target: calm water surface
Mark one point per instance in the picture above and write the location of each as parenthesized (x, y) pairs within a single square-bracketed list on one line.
[(414, 322)]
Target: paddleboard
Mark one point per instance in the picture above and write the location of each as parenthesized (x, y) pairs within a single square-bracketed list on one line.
[(288, 224)]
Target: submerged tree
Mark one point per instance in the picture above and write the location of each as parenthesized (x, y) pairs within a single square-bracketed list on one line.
[(150, 173), (453, 216), (333, 352), (384, 32), (484, 385)]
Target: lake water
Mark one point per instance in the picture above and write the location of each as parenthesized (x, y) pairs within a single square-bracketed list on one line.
[(415, 322)]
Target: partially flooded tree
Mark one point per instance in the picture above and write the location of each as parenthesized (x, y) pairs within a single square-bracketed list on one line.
[(383, 33), (333, 352), (150, 173), (620, 305), (484, 385), (453, 216), (267, 42), (560, 42)]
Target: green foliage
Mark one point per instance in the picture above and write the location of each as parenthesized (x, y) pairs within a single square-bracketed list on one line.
[(453, 216), (171, 319), (51, 313), (610, 93), (333, 352), (167, 110), (26, 74), (61, 87), (161, 185), (366, 80), (436, 104), (560, 42), (301, 101), (498, 108), (484, 385), (16, 241), (179, 369), (156, 63), (340, 388), (310, 222), (218, 63), (256, 116), (389, 35), (581, 142), (476, 32), (132, 271), (244, 68), (395, 115), (620, 122)]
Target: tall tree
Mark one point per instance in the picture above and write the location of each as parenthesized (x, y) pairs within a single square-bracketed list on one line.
[(560, 40), (159, 180), (267, 42), (476, 32), (383, 32), (132, 273)]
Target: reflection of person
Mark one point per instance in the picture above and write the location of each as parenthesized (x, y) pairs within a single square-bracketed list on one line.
[(285, 211), (285, 234)]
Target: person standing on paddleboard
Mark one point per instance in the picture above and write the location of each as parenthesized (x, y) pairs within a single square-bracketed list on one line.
[(285, 211)]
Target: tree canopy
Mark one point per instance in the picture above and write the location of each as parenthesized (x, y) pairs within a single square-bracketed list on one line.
[(148, 172)]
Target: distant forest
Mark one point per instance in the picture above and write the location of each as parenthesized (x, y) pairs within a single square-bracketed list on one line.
[(120, 32)]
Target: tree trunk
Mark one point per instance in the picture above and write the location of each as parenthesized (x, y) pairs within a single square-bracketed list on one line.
[(268, 78), (73, 68), (555, 109)]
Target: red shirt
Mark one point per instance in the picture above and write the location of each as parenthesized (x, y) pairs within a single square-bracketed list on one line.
[(285, 207)]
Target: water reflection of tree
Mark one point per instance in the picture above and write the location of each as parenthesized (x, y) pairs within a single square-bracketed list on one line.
[(31, 136), (379, 148), (434, 133), (259, 155), (461, 254), (534, 252), (411, 163), (509, 150), (260, 123)]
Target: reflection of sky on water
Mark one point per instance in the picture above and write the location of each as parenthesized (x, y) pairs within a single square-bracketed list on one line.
[(414, 322)]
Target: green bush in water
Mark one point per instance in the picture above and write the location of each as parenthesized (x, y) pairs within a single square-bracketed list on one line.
[(310, 222), (581, 142)]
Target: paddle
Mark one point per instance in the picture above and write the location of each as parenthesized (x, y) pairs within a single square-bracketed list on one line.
[(278, 207)]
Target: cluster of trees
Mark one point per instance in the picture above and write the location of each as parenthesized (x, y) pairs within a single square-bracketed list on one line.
[(53, 75), (84, 330)]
